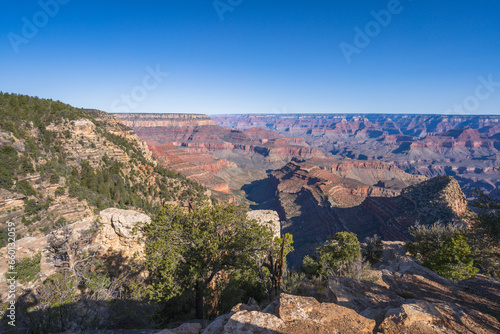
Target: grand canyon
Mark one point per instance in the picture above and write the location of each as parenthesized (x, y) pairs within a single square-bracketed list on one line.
[(329, 173), (250, 167), (83, 199)]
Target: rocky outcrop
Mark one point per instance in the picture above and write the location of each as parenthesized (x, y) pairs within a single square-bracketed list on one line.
[(267, 217), (409, 298), (116, 235), (293, 315), (119, 232)]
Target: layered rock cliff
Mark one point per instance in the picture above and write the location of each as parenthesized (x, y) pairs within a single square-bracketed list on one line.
[(232, 157), (463, 146)]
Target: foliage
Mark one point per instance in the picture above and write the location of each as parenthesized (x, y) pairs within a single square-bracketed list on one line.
[(60, 191), (373, 249), (339, 256), (488, 217), (337, 252), (455, 260), (310, 265), (485, 233), (24, 187), (27, 269), (8, 165), (187, 251), (275, 262), (300, 284), (443, 249)]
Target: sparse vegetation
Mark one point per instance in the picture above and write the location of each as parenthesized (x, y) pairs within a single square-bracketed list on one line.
[(373, 249), (27, 269)]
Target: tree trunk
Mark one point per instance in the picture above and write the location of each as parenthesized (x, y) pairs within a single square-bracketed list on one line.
[(199, 299)]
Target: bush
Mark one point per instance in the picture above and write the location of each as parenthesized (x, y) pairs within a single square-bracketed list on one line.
[(60, 191), (373, 249), (339, 256), (454, 260), (54, 179), (338, 251), (60, 223), (443, 249)]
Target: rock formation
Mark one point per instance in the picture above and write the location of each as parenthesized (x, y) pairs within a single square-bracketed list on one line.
[(463, 146), (116, 235), (268, 217)]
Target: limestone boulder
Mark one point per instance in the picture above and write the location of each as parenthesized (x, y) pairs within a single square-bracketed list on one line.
[(123, 221), (419, 316), (307, 315), (267, 217)]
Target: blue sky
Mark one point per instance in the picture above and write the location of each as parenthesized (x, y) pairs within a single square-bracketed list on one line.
[(263, 57)]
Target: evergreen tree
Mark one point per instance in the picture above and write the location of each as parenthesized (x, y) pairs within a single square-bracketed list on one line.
[(186, 251)]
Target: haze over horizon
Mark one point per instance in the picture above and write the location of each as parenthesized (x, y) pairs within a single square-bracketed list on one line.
[(239, 57)]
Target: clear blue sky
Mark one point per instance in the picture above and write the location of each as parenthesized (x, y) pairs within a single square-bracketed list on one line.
[(265, 56)]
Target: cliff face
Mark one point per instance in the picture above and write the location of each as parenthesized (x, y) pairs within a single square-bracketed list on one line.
[(465, 147), (59, 164), (165, 120), (230, 158), (320, 197)]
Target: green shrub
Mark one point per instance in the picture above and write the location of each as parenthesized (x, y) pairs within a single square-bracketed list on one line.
[(60, 191), (27, 269), (60, 223), (54, 179), (443, 249), (340, 256), (339, 250), (454, 260)]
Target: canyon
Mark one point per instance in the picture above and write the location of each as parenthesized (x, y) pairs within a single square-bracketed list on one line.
[(466, 147), (329, 173)]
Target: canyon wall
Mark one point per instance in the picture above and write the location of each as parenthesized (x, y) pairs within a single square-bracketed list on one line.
[(220, 158)]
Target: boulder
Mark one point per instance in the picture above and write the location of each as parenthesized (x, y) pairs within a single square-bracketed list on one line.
[(361, 295), (123, 221), (307, 315), (267, 217), (253, 322), (217, 326), (419, 316)]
